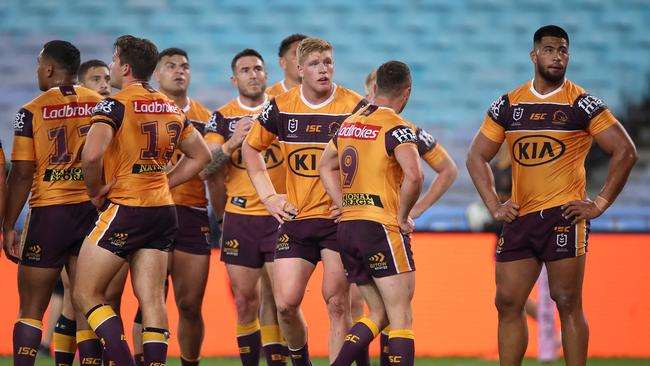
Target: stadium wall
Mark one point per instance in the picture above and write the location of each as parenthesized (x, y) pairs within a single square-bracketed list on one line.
[(453, 306)]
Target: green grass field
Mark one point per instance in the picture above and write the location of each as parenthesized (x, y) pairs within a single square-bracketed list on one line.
[(420, 362)]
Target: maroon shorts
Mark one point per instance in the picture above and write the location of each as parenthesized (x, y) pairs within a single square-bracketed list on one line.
[(193, 235), (248, 240), (306, 238), (542, 234), (370, 249), (54, 233), (123, 230)]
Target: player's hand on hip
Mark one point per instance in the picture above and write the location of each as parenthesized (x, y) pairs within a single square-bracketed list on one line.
[(242, 127), (406, 226), (507, 212), (278, 206), (11, 245), (335, 212), (99, 199), (580, 210)]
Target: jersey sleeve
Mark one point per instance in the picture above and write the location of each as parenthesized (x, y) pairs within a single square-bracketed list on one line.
[(213, 129), (435, 156), (397, 136), (426, 142), (23, 148), (593, 113), (188, 130), (265, 129), (494, 123), (109, 111)]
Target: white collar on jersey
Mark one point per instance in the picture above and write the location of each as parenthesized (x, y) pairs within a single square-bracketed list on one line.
[(544, 96), (284, 87), (253, 109), (318, 106), (187, 106)]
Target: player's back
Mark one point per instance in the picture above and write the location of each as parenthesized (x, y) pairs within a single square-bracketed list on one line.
[(147, 127), (370, 174), (51, 130)]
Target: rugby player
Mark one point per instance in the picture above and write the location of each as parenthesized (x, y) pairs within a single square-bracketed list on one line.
[(133, 136), (94, 75), (549, 124), (190, 257), (304, 119), (49, 133), (289, 64), (248, 253), (375, 223)]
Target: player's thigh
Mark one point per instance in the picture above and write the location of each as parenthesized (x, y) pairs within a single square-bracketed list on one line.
[(290, 278), (244, 281), (565, 276), (95, 268), (148, 273), (514, 281), (396, 290), (266, 284), (370, 293), (35, 286), (189, 275), (334, 280)]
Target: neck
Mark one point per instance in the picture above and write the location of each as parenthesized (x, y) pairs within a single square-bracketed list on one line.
[(383, 101), (61, 81), (314, 97), (179, 98), (543, 86), (290, 83), (128, 80), (252, 102)]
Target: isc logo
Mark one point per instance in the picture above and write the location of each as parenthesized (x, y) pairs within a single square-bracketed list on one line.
[(313, 128), (304, 162), (27, 351), (536, 150)]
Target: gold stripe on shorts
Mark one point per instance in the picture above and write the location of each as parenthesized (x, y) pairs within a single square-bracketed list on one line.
[(581, 237), (23, 235), (398, 250), (103, 223)]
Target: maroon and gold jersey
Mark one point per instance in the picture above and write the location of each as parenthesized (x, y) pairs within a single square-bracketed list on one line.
[(242, 197), (370, 175), (303, 130), (50, 131), (428, 147), (277, 89), (192, 192), (147, 127), (549, 137)]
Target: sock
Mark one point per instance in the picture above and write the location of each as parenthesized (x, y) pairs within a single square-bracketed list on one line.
[(383, 347), (189, 361), (249, 341), (138, 358), (154, 345), (27, 338), (356, 342), (272, 344), (65, 342), (285, 352), (401, 347), (300, 356), (109, 329), (90, 348), (363, 359)]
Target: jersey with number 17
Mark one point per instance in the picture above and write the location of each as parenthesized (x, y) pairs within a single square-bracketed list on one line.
[(50, 131)]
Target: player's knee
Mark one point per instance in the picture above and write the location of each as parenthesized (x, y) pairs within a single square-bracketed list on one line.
[(508, 304), (246, 303), (337, 306), (189, 308), (287, 310), (566, 301)]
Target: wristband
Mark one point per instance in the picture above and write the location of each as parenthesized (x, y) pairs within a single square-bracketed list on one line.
[(267, 197), (601, 203)]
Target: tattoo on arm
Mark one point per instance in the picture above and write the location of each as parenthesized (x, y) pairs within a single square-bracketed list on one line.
[(219, 159)]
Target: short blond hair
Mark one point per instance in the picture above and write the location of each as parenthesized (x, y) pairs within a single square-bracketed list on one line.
[(309, 45), (371, 79)]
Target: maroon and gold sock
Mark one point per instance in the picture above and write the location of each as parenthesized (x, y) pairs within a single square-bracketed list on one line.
[(300, 356), (383, 347), (363, 359), (401, 347), (272, 345), (90, 348), (108, 327), (356, 342), (65, 341), (27, 338), (154, 345), (138, 358), (249, 342), (190, 361)]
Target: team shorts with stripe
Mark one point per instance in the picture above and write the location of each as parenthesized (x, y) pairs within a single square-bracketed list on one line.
[(123, 230), (193, 230), (306, 238), (248, 240), (54, 233), (370, 249), (545, 235)]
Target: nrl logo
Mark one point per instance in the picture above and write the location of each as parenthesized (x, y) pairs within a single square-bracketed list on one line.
[(293, 125), (517, 113)]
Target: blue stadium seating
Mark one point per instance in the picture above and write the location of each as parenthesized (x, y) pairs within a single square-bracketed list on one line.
[(463, 55)]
